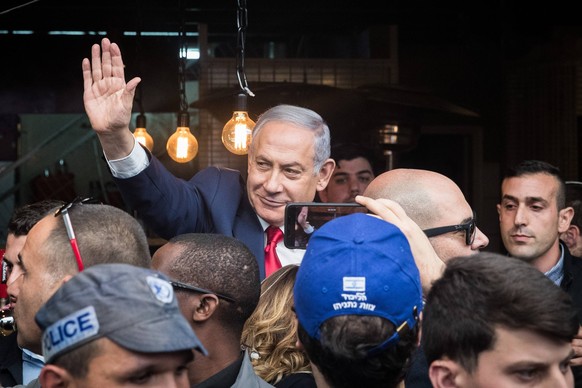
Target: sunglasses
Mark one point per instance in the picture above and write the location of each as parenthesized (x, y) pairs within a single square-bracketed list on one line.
[(188, 287), (470, 229), (64, 211)]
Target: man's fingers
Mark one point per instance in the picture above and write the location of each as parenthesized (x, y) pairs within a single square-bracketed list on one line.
[(117, 66), (96, 63), (87, 78)]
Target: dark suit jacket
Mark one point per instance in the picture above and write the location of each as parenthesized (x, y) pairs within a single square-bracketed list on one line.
[(10, 361), (572, 284), (213, 201)]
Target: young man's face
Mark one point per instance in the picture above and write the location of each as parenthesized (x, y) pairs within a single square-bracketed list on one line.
[(529, 219), (115, 366), (281, 170), (520, 358), (349, 178)]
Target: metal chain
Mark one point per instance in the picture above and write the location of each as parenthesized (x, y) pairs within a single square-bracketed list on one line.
[(241, 23)]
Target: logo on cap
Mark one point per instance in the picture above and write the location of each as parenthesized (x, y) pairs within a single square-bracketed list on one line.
[(66, 332), (161, 289), (355, 284)]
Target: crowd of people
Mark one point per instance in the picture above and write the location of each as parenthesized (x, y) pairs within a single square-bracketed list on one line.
[(399, 297)]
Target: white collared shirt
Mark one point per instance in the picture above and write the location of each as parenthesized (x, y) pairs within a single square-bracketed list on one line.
[(32, 363)]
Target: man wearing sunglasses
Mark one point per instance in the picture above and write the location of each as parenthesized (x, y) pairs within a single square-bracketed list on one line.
[(532, 215), (216, 281), (437, 205), (75, 236)]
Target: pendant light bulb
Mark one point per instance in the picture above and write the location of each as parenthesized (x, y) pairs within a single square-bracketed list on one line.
[(237, 132), (141, 134), (182, 146)]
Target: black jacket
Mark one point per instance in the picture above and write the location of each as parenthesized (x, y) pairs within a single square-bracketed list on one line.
[(572, 284)]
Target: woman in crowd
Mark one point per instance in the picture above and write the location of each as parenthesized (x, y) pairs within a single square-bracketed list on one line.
[(271, 334)]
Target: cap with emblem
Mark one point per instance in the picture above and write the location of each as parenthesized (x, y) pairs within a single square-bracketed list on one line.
[(134, 307), (358, 265)]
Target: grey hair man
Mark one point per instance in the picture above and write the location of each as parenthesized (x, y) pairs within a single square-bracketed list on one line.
[(288, 161)]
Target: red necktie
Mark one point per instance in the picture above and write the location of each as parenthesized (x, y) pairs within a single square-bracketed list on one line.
[(272, 263)]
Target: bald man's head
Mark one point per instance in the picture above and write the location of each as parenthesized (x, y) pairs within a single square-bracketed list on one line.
[(423, 194), (431, 200)]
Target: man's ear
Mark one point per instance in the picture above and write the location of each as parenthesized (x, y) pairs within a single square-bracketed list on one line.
[(52, 376), (570, 236), (564, 218), (207, 305), (325, 174), (445, 373)]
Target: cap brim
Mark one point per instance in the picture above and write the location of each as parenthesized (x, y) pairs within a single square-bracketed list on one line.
[(164, 334)]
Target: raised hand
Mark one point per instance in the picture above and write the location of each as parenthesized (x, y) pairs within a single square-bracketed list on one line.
[(108, 98)]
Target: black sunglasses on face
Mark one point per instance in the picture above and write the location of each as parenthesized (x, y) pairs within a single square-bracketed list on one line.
[(188, 287), (470, 229)]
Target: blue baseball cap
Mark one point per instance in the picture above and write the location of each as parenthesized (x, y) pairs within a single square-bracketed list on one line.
[(358, 265), (134, 307)]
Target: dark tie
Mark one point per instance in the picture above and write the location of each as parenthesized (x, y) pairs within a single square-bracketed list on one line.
[(272, 263)]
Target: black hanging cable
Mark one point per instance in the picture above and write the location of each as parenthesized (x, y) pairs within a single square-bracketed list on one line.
[(140, 119), (183, 52), (241, 23)]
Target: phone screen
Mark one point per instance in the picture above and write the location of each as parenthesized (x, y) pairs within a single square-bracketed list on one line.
[(304, 218)]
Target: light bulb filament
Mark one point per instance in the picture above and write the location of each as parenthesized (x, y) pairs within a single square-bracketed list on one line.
[(182, 147), (240, 136)]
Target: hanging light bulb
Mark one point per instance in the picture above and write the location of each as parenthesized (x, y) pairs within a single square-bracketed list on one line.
[(237, 133), (141, 134), (182, 146)]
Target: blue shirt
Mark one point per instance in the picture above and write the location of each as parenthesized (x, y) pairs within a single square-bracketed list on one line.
[(556, 273)]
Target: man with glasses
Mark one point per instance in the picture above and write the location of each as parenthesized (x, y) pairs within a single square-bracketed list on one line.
[(58, 247), (437, 205), (216, 280), (532, 215)]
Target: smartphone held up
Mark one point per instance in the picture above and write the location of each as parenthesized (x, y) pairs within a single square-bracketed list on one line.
[(304, 218)]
